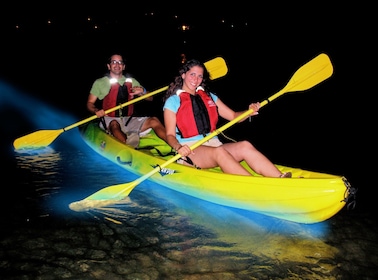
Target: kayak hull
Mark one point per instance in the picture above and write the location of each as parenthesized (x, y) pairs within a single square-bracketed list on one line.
[(308, 197)]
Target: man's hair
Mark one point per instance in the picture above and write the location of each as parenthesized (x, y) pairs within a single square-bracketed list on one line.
[(110, 57)]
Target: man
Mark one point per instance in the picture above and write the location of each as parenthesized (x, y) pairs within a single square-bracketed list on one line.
[(116, 88)]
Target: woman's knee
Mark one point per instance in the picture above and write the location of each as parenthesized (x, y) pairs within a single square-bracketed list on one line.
[(244, 144)]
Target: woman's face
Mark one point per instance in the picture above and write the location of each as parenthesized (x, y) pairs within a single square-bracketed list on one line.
[(192, 79)]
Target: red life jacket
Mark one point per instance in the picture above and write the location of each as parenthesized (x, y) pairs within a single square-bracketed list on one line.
[(117, 95), (197, 114)]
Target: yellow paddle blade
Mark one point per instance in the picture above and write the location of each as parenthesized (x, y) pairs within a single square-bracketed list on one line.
[(109, 195), (307, 76), (37, 139), (312, 73), (216, 67)]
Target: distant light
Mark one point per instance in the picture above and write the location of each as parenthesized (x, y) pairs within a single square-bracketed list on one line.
[(185, 27)]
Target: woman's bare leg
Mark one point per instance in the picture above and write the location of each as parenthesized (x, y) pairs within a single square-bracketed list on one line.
[(244, 150), (208, 157)]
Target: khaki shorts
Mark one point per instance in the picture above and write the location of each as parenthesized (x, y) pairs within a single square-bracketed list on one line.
[(130, 128), (213, 142)]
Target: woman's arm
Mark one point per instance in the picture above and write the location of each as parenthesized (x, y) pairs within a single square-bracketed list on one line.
[(229, 114), (170, 128)]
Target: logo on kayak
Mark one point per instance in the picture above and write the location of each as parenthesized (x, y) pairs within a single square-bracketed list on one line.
[(164, 171)]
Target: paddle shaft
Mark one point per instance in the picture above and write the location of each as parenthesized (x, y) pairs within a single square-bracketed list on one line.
[(136, 182), (307, 76), (43, 138), (216, 132), (216, 67)]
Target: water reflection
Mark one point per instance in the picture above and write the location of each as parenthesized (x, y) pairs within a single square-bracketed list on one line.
[(183, 226), (220, 236), (38, 160)]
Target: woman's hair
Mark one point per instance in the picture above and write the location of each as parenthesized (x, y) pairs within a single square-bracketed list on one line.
[(178, 82)]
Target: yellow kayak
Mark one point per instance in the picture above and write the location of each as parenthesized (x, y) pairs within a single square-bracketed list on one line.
[(308, 197)]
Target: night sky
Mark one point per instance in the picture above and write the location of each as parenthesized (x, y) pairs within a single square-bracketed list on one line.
[(56, 37), (67, 46)]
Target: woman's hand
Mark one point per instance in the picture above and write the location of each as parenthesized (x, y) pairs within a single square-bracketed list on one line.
[(255, 107), (184, 150)]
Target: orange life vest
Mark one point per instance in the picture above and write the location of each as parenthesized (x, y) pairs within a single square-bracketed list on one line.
[(197, 114), (118, 94)]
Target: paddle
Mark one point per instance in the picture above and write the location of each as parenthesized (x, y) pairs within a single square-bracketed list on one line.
[(307, 76), (216, 67)]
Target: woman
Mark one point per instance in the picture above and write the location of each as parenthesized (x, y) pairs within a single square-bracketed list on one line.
[(191, 113)]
